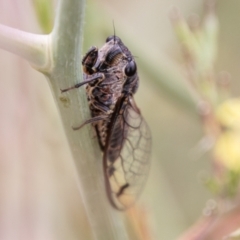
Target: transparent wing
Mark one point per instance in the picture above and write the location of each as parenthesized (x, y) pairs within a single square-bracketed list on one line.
[(126, 156)]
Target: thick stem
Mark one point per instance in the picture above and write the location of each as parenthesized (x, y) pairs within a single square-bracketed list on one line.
[(214, 227)]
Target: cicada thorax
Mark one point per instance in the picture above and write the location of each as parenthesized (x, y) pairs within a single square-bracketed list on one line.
[(102, 97)]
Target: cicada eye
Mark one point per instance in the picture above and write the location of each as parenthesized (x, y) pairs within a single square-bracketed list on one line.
[(130, 69)]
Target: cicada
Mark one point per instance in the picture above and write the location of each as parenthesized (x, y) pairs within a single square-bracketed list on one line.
[(111, 79)]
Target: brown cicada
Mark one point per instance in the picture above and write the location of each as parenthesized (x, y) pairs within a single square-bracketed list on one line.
[(110, 74)]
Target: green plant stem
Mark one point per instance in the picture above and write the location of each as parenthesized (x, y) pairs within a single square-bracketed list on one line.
[(32, 47)]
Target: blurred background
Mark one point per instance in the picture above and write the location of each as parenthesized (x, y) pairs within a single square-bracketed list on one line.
[(39, 198)]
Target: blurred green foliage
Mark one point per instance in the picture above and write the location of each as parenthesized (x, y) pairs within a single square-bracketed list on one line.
[(45, 13)]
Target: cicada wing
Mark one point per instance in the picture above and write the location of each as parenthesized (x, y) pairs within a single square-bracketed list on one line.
[(126, 157)]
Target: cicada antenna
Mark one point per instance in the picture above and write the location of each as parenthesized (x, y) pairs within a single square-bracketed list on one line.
[(114, 33), (114, 37)]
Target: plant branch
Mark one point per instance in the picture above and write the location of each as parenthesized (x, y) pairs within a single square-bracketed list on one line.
[(214, 226), (32, 47)]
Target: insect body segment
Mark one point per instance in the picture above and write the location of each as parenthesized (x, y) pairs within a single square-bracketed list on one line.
[(111, 79), (89, 60)]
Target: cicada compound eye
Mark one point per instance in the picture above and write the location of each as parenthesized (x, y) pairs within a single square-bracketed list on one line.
[(130, 69)]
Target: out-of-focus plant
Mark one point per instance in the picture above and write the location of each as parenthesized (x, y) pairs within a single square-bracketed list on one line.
[(233, 236), (44, 14), (220, 113)]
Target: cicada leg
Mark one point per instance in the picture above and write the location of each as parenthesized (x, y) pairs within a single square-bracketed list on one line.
[(97, 76), (91, 120)]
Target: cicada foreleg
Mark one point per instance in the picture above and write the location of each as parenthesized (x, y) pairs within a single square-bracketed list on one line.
[(97, 76)]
